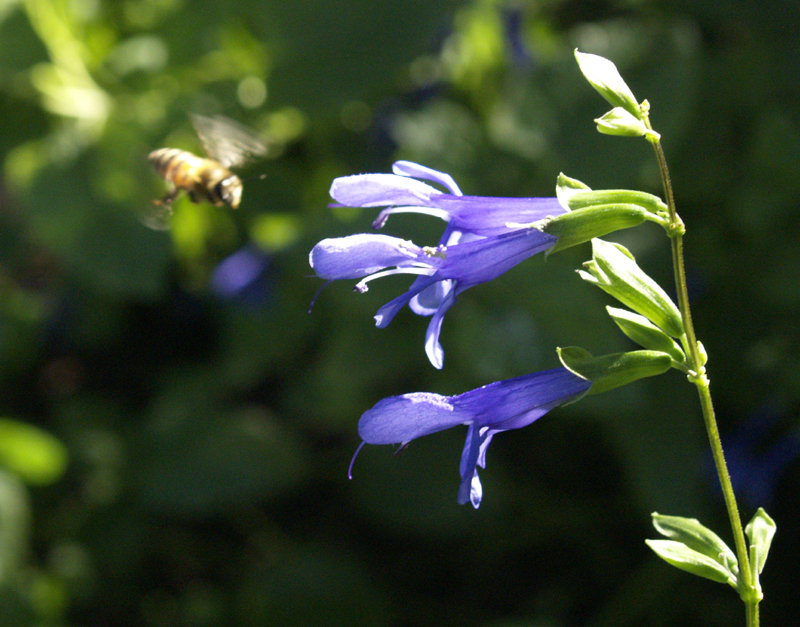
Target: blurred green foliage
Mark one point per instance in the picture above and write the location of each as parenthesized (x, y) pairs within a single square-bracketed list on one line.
[(208, 419)]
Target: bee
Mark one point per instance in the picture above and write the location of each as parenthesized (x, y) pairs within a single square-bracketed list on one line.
[(227, 144)]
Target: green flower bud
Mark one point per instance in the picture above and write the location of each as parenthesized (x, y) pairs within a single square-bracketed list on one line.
[(603, 75), (760, 531), (611, 371), (614, 270), (645, 334), (580, 199), (621, 123), (580, 226)]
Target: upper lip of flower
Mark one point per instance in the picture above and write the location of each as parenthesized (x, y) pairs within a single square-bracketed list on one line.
[(499, 406), (481, 215)]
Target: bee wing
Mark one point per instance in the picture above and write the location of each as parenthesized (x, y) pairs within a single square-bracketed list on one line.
[(226, 141), (157, 216)]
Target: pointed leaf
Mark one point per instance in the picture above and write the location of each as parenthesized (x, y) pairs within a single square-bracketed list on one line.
[(690, 532), (681, 556), (603, 75), (620, 123), (645, 333)]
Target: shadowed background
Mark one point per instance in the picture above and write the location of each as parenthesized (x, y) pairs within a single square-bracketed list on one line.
[(175, 428)]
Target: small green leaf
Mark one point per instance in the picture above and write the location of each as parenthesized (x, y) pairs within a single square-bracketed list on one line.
[(614, 270), (620, 123), (603, 75), (760, 531), (690, 532), (681, 556), (645, 333), (611, 371)]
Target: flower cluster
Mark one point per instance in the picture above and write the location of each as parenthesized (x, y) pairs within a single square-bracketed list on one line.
[(484, 238)]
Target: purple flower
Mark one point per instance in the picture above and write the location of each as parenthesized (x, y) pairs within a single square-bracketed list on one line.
[(442, 272), (476, 215), (499, 406), (241, 275)]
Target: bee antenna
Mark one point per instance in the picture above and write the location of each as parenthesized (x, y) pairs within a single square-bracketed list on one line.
[(260, 177)]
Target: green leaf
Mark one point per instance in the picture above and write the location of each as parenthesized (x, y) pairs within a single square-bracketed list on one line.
[(697, 537), (603, 75), (620, 123), (614, 270), (645, 333), (681, 556), (760, 531)]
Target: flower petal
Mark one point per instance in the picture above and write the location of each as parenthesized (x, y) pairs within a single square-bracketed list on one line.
[(378, 190), (433, 348), (470, 489), (407, 417), (487, 215), (427, 302), (387, 313), (516, 403), (485, 259), (409, 168), (499, 406), (356, 256)]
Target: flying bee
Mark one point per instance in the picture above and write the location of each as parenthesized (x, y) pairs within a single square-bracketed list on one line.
[(227, 144)]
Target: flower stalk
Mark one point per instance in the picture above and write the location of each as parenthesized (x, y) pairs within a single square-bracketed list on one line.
[(747, 589)]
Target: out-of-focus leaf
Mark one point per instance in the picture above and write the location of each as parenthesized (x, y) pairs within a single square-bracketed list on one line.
[(33, 454)]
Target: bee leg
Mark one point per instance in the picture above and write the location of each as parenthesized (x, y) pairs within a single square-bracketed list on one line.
[(168, 199)]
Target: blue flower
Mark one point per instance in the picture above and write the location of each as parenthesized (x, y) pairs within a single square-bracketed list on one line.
[(475, 215), (442, 272), (499, 406), (242, 276), (484, 238)]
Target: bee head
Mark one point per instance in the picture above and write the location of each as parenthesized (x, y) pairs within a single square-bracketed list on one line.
[(230, 191)]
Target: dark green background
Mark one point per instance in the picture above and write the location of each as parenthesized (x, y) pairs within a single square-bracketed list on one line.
[(208, 436)]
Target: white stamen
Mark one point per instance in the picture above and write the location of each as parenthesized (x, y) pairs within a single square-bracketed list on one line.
[(361, 286)]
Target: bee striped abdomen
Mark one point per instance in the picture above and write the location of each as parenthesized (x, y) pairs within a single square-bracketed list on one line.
[(176, 166)]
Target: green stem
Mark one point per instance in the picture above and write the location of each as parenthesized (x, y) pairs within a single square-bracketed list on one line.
[(747, 586)]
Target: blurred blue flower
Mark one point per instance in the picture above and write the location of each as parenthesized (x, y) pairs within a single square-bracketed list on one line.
[(499, 406), (755, 466), (443, 272), (514, 26), (240, 276)]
